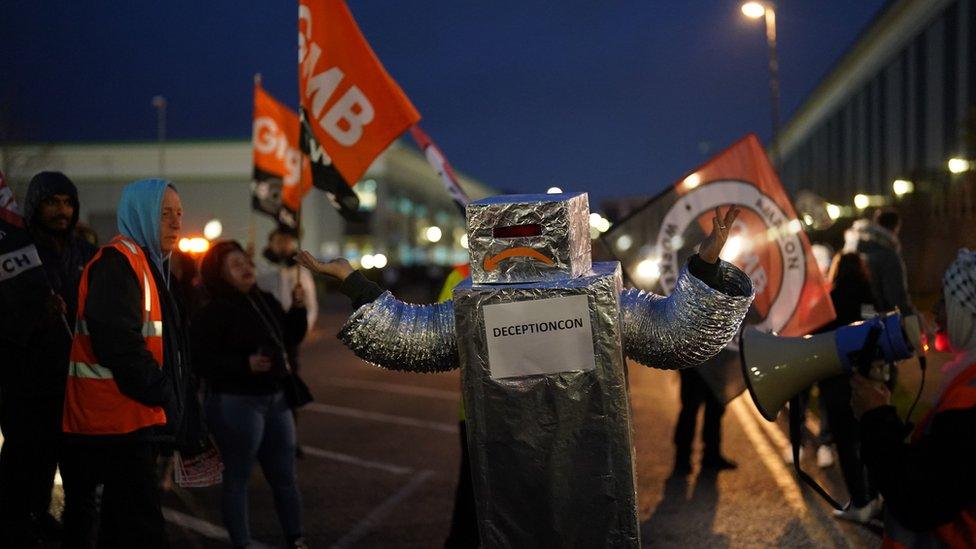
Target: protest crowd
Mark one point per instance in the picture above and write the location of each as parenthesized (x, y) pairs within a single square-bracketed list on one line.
[(133, 370)]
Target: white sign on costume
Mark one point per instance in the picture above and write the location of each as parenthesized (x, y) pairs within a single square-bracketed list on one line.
[(542, 336)]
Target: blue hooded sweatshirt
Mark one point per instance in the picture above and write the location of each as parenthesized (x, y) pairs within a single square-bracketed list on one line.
[(139, 214)]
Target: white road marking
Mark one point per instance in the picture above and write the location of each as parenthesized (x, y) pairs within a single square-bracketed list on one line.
[(394, 388), (778, 438), (346, 458), (381, 417), (781, 473), (380, 512), (773, 462), (204, 528)]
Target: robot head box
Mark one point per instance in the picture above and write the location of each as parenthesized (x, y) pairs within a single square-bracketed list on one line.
[(529, 238)]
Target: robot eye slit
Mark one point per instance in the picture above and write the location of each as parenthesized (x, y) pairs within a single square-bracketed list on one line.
[(517, 231)]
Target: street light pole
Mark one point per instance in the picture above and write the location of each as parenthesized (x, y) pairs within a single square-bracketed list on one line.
[(756, 10), (159, 102), (773, 78)]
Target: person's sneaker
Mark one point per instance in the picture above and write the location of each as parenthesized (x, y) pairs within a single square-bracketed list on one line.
[(825, 457), (718, 463), (861, 515)]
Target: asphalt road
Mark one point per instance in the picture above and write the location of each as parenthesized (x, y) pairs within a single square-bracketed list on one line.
[(382, 460)]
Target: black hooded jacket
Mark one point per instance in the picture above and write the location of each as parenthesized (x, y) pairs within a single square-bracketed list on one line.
[(63, 256), (40, 369)]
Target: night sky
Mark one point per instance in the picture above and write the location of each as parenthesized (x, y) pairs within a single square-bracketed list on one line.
[(615, 98)]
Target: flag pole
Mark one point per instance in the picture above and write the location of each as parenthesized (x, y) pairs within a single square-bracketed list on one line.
[(298, 223), (251, 223), (441, 166)]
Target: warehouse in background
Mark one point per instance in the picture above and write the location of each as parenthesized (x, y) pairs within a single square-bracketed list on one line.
[(409, 219), (894, 123)]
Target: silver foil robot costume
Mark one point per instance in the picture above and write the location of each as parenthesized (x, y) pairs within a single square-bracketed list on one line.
[(540, 335)]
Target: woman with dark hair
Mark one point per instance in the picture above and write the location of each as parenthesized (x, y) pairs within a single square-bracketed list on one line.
[(240, 340), (853, 301), (850, 289)]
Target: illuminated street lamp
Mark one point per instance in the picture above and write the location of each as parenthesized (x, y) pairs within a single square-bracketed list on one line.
[(861, 201), (833, 211), (213, 229), (959, 165), (433, 234), (901, 187), (755, 10), (649, 270)]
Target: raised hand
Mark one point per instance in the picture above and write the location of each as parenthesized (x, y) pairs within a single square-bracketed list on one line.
[(337, 268), (711, 247)]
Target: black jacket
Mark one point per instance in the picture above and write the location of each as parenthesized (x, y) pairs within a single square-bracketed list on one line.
[(882, 251), (928, 483), (229, 329), (114, 314), (37, 368)]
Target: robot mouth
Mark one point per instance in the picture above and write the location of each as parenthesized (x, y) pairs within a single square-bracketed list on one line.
[(491, 263)]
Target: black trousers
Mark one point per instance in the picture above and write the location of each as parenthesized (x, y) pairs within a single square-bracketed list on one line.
[(464, 521), (694, 393), (32, 441), (835, 393), (131, 512)]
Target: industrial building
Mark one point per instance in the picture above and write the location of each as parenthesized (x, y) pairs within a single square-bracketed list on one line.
[(409, 219), (894, 123)]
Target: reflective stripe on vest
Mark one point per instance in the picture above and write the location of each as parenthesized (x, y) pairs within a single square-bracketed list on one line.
[(94, 404)]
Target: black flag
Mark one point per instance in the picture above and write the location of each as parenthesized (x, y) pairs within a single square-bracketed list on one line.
[(325, 176)]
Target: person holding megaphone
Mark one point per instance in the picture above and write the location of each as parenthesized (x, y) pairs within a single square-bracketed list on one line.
[(929, 482)]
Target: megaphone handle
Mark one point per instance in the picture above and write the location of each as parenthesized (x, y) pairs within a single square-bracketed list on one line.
[(796, 440), (865, 356)]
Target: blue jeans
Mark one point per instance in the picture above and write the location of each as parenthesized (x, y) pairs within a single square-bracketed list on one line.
[(248, 429)]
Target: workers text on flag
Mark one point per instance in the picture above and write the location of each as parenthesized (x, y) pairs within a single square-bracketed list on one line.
[(351, 108), (767, 240), (282, 175)]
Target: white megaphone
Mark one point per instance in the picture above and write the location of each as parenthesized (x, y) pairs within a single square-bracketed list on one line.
[(778, 368)]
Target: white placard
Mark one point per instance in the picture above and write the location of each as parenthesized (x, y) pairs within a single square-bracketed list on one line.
[(542, 336)]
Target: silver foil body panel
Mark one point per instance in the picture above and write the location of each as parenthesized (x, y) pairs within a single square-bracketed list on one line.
[(551, 455), (402, 336), (565, 238), (689, 326)]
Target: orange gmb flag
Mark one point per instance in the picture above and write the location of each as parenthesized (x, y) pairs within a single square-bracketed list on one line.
[(353, 107), (277, 157), (766, 241)]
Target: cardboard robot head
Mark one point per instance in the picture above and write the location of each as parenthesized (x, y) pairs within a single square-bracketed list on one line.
[(529, 238)]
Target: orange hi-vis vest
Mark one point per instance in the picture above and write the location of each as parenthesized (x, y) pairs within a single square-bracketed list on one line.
[(961, 531), (93, 404)]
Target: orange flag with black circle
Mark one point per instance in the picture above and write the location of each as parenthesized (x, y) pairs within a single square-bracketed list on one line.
[(351, 108)]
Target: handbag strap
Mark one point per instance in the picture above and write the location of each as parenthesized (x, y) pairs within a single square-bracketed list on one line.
[(274, 328)]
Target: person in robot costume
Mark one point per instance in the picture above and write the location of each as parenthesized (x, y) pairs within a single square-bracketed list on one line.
[(540, 333)]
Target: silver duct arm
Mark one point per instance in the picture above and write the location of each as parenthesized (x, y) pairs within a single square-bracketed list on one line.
[(689, 326), (402, 336)]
